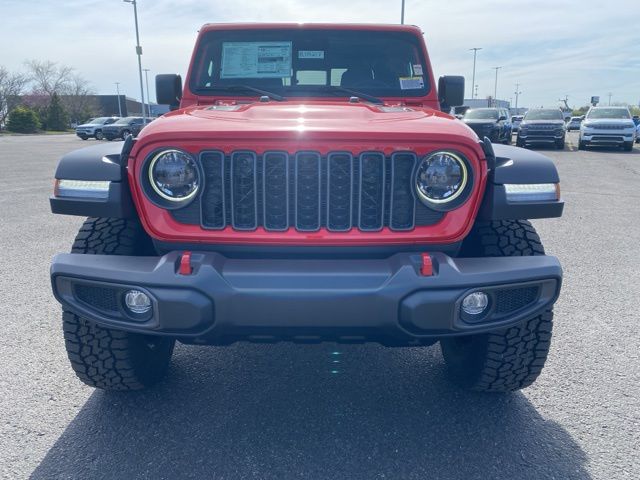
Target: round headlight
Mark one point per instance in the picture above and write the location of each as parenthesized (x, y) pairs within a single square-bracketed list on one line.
[(441, 177), (174, 175)]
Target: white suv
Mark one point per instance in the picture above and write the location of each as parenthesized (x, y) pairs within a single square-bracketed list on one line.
[(607, 126)]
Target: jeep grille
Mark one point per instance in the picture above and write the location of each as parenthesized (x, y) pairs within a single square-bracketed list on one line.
[(307, 191)]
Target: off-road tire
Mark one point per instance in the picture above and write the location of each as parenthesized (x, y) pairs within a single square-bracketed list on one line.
[(106, 358), (511, 358)]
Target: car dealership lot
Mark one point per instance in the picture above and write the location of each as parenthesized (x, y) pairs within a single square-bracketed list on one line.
[(327, 411)]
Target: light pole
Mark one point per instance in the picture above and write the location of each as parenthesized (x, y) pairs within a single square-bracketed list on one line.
[(473, 80), (402, 14), (118, 94), (139, 53), (495, 88), (146, 79), (610, 95), (517, 94)]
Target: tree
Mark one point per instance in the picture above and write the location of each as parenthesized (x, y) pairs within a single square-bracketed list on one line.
[(11, 86), (23, 120), (48, 77), (78, 99), (57, 116)]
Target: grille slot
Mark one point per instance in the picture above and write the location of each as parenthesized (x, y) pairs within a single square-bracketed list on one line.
[(372, 186), (276, 191), (339, 191), (244, 187), (307, 191), (510, 300), (308, 198), (102, 298)]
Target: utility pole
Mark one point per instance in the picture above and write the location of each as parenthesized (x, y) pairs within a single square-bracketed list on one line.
[(610, 95), (402, 14), (118, 94), (139, 53), (476, 90), (473, 80), (146, 78), (517, 94), (495, 88)]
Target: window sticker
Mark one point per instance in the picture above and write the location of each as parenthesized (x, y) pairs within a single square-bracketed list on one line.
[(411, 83), (417, 69), (256, 60), (311, 54)]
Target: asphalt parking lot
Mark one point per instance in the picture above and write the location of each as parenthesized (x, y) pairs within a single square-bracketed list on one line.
[(278, 411)]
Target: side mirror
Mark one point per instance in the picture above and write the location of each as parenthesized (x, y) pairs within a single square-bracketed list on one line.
[(502, 118), (450, 92), (169, 90)]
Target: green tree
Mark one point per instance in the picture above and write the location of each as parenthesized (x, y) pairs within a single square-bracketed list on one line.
[(23, 120), (57, 116)]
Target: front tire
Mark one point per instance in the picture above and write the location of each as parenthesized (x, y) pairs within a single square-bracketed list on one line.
[(511, 358), (107, 358), (124, 134), (560, 144), (99, 135), (628, 146)]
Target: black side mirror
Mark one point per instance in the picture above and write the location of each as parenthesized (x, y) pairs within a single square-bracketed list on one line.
[(450, 92), (169, 90)]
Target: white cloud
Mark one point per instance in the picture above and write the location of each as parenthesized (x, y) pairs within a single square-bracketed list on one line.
[(550, 47)]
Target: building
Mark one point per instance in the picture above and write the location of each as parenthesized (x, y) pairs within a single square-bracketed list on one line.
[(107, 106)]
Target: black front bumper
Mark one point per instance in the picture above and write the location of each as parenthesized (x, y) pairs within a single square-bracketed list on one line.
[(386, 300)]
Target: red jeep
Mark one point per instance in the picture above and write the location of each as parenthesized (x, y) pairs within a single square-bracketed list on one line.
[(309, 185)]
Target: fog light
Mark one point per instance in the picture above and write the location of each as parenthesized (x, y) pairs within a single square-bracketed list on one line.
[(137, 302), (475, 303)]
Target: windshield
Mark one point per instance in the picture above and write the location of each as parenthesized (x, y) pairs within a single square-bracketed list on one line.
[(617, 113), (99, 120), (124, 121), (309, 62), (544, 114), (482, 114)]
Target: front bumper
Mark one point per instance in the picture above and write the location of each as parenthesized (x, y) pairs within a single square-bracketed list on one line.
[(547, 137), (387, 300), (606, 137)]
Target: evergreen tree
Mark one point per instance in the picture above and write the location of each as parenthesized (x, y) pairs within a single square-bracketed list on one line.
[(57, 116), (23, 120)]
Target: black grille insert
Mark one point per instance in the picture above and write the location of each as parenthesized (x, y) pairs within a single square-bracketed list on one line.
[(101, 298), (512, 299)]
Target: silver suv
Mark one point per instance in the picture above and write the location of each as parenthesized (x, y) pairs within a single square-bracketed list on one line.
[(93, 128), (607, 126)]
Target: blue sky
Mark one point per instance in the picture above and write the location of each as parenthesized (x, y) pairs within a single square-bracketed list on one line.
[(552, 48)]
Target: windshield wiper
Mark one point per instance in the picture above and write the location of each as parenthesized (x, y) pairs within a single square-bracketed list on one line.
[(245, 88), (354, 93)]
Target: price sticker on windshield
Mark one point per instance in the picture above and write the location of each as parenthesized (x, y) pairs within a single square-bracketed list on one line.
[(411, 83)]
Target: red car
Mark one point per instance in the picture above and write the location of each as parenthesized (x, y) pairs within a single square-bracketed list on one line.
[(309, 185)]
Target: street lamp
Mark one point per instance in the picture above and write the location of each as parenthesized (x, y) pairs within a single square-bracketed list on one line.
[(495, 88), (473, 80), (517, 94), (402, 14), (118, 94), (146, 79), (139, 53)]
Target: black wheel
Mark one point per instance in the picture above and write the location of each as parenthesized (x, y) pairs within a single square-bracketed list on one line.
[(560, 144), (520, 143), (511, 358), (581, 145), (103, 357), (83, 137), (99, 135), (125, 133), (628, 146), (110, 139)]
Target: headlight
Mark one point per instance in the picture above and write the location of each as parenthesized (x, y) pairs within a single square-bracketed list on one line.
[(174, 175), (441, 178)]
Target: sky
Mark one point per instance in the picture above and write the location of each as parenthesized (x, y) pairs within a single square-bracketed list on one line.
[(552, 48)]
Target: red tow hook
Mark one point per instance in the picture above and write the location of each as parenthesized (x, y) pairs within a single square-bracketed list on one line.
[(427, 265), (185, 264)]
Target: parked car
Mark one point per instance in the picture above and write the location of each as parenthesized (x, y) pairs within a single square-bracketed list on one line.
[(638, 133), (607, 126), (489, 122), (574, 123), (226, 221), (124, 127), (515, 122), (542, 126), (93, 127)]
